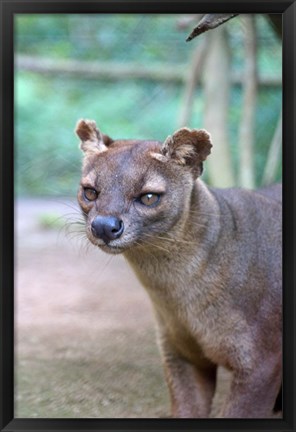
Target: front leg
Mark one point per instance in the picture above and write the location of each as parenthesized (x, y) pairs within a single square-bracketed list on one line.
[(253, 394), (191, 387)]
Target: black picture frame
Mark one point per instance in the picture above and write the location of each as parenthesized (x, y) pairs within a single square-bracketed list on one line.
[(8, 9)]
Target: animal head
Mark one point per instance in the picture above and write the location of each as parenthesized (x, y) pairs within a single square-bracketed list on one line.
[(131, 191)]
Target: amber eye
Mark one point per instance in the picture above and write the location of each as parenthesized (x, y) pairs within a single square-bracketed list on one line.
[(90, 194), (149, 199)]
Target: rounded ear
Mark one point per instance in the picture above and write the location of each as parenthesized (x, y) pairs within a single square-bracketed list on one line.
[(188, 147), (92, 139)]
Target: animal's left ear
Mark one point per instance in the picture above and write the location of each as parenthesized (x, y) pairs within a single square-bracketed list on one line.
[(92, 139), (188, 147)]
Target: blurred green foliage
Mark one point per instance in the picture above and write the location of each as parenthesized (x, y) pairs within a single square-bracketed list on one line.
[(51, 221), (103, 37), (47, 108)]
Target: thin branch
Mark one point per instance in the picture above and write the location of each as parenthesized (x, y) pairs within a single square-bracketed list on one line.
[(209, 22)]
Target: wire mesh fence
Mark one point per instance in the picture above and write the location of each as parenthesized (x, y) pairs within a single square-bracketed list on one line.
[(130, 73)]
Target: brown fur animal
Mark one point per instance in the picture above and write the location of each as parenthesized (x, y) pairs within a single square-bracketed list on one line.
[(209, 259)]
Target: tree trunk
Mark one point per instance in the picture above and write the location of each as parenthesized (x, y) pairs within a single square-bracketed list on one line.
[(216, 95), (274, 155), (194, 73), (247, 125)]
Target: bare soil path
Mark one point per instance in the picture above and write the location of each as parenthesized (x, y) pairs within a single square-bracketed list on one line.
[(85, 339)]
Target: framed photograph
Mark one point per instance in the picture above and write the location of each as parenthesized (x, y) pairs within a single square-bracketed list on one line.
[(159, 133)]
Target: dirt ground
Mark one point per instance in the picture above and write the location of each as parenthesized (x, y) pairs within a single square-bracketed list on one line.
[(85, 336)]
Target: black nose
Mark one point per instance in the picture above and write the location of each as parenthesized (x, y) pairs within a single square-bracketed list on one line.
[(107, 227)]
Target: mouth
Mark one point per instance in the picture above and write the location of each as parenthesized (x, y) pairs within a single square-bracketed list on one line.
[(116, 246), (111, 249)]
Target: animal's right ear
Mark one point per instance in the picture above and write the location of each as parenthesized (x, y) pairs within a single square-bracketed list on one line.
[(188, 147), (92, 139)]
